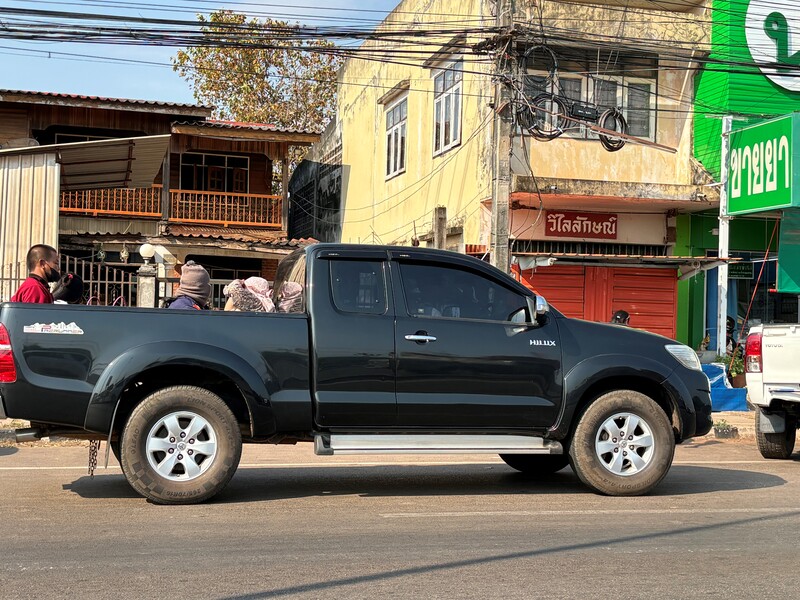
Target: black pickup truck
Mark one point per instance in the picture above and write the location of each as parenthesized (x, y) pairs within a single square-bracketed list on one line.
[(391, 350)]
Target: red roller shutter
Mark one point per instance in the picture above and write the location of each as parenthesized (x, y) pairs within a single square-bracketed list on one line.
[(594, 293)]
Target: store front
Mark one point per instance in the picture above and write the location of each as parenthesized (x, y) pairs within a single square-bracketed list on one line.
[(590, 265)]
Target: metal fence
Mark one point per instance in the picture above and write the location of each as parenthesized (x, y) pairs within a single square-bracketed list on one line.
[(168, 288), (102, 284)]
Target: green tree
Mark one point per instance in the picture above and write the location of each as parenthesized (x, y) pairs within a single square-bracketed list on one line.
[(254, 70)]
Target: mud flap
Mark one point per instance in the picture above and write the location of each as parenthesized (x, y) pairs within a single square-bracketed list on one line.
[(772, 422)]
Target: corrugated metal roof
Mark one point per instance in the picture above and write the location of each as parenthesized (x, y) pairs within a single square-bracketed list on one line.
[(239, 234), (123, 162), (45, 96), (235, 125)]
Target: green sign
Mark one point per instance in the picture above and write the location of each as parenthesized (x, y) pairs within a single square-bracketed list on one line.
[(751, 72), (740, 270), (760, 173)]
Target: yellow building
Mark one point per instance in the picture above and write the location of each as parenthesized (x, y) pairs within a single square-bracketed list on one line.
[(592, 230)]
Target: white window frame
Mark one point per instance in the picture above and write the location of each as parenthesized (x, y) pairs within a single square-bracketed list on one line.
[(398, 130), (622, 99), (454, 95)]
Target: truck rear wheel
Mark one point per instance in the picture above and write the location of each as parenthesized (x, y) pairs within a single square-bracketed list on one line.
[(775, 445), (623, 444), (181, 445), (536, 464)]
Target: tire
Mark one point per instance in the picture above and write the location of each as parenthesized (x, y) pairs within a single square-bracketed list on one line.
[(776, 445), (166, 470), (605, 462), (536, 464)]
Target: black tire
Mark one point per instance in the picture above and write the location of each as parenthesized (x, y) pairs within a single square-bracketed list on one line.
[(776, 445), (536, 464), (164, 419), (617, 472), (613, 120)]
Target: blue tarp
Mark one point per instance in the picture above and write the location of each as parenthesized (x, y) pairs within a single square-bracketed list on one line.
[(723, 396)]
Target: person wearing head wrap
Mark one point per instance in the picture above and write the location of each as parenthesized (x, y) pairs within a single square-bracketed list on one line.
[(240, 298), (68, 290), (260, 287), (621, 317), (194, 291), (290, 298)]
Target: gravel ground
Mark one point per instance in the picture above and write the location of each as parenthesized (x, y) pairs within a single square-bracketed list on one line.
[(7, 427)]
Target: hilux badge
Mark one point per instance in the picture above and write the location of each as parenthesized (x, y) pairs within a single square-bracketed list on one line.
[(543, 343)]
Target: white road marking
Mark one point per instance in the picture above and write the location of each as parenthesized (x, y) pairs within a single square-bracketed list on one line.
[(591, 512), (380, 464)]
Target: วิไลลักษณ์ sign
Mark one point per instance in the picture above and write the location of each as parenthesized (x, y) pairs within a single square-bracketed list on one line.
[(761, 163), (571, 224)]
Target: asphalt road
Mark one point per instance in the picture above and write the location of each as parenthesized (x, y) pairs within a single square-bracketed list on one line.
[(723, 524)]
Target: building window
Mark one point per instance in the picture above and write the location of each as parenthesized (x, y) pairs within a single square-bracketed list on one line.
[(214, 173), (572, 88), (605, 81), (396, 121), (447, 108)]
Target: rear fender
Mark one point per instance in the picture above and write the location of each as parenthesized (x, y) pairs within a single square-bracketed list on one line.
[(124, 370)]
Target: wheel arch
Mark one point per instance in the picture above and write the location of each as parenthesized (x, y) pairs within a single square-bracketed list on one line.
[(594, 377), (142, 370)]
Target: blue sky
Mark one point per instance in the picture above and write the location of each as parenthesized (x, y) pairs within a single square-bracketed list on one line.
[(47, 67)]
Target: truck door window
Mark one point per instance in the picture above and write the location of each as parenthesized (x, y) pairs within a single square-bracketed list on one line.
[(448, 292), (358, 286)]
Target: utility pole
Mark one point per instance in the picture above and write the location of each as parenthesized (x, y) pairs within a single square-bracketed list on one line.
[(440, 227), (724, 236), (503, 124)]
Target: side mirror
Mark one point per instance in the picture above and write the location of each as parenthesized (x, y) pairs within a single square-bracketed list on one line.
[(537, 307)]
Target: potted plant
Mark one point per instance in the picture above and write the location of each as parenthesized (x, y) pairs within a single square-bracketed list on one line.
[(734, 365), (723, 429)]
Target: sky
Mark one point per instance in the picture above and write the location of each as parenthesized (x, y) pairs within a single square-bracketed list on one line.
[(48, 67)]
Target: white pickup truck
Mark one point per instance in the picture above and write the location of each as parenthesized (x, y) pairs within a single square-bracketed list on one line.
[(772, 368)]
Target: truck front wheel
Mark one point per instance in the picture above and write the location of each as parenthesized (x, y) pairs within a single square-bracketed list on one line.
[(775, 445), (536, 464), (181, 445), (623, 444)]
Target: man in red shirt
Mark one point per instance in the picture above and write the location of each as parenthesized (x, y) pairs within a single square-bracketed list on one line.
[(43, 268)]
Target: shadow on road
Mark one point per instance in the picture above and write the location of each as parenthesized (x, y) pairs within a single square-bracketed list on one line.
[(7, 450), (256, 484)]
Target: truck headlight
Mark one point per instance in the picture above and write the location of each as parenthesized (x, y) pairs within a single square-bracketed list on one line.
[(685, 355)]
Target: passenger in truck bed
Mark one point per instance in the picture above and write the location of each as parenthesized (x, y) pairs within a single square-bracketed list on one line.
[(248, 295)]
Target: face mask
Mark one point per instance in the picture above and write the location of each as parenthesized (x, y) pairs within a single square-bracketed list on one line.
[(53, 276)]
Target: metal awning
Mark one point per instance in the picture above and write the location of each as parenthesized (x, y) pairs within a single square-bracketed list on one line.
[(116, 163), (689, 265)]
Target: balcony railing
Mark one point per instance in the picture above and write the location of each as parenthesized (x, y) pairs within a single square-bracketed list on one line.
[(223, 208), (186, 206), (129, 202)]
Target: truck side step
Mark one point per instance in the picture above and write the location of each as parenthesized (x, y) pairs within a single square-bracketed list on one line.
[(335, 443)]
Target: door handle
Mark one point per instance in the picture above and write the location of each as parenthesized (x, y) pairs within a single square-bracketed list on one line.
[(420, 338)]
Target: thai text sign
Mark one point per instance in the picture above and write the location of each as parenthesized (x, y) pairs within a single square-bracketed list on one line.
[(760, 167), (580, 225)]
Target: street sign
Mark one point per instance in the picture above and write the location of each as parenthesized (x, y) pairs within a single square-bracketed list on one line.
[(740, 270), (761, 176)]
